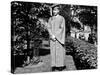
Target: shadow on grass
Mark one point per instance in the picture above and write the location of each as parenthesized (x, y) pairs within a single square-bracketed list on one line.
[(43, 52)]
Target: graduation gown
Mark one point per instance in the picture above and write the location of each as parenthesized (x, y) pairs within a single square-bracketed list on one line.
[(56, 27)]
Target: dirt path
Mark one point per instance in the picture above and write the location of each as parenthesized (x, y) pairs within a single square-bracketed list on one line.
[(45, 65)]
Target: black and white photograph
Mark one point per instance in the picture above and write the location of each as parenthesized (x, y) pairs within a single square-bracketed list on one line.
[(53, 37)]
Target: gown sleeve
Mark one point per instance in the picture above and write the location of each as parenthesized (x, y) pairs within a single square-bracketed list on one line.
[(49, 27)]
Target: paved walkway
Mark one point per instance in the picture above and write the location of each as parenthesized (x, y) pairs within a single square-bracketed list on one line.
[(45, 65)]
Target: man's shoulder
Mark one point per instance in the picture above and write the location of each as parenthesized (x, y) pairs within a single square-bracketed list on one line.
[(60, 16), (50, 18)]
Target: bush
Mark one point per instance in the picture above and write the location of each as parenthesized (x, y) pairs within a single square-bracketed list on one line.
[(84, 53)]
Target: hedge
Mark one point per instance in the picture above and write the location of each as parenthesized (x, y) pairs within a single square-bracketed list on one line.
[(84, 53)]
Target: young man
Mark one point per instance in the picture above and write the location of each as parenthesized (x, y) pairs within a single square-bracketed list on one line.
[(56, 28)]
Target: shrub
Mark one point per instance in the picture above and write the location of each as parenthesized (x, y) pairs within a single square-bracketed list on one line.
[(84, 53)]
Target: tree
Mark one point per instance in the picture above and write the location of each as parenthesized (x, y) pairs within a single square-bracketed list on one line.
[(25, 26), (85, 15)]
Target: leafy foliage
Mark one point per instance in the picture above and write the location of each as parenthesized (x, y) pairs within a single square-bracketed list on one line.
[(84, 54), (25, 24), (87, 15)]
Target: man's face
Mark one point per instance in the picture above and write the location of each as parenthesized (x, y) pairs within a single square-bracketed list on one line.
[(55, 11)]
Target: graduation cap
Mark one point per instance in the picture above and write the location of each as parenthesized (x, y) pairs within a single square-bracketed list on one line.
[(56, 6)]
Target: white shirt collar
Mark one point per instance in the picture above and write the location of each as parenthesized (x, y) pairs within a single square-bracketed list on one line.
[(56, 16)]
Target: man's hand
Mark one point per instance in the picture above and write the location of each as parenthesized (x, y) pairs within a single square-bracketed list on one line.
[(53, 37)]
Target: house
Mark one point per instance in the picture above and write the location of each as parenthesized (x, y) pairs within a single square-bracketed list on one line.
[(76, 32)]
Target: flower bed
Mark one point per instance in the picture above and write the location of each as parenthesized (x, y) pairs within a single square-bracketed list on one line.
[(84, 53)]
